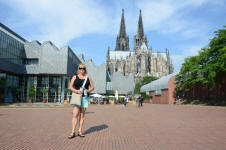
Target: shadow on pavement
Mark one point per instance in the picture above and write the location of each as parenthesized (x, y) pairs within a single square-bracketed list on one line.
[(89, 112), (96, 128)]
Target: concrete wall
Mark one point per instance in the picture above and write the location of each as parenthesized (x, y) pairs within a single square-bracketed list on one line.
[(51, 60), (122, 83), (98, 76)]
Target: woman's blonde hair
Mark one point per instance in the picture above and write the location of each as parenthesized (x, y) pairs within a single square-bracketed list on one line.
[(83, 66)]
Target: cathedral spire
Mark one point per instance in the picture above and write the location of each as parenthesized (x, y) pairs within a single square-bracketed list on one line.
[(140, 28), (122, 31), (122, 42), (139, 38)]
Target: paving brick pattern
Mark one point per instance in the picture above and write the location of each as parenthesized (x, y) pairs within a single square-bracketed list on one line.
[(153, 127)]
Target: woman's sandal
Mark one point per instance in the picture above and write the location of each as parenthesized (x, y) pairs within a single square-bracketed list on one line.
[(72, 135), (80, 134)]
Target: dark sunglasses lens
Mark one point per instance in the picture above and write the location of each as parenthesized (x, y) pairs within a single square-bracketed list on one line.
[(82, 68)]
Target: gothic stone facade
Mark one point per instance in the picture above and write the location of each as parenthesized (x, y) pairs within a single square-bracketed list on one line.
[(142, 61)]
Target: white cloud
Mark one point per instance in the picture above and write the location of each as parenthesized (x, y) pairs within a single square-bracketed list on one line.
[(186, 51), (171, 17), (61, 21)]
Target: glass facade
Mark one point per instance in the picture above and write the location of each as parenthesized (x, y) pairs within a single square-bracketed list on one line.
[(11, 88), (11, 49), (54, 85), (16, 87), (2, 86)]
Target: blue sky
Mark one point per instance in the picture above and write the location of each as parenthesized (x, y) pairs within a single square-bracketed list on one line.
[(89, 27)]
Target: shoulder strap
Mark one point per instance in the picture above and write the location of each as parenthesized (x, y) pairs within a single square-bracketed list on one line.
[(84, 82)]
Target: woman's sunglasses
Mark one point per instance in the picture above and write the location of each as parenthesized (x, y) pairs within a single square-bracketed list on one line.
[(82, 68)]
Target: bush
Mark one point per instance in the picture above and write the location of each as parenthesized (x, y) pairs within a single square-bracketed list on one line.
[(143, 81), (143, 94), (120, 100), (32, 92)]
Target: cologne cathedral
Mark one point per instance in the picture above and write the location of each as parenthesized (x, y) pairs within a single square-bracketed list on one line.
[(142, 60)]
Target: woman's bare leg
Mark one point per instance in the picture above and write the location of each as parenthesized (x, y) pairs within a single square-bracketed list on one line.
[(82, 116), (76, 111)]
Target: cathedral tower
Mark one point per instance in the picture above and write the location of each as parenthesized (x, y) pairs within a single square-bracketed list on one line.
[(139, 38), (122, 42)]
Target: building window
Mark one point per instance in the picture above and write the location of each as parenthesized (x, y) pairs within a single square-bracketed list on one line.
[(148, 65), (31, 61), (138, 65), (158, 92), (11, 50)]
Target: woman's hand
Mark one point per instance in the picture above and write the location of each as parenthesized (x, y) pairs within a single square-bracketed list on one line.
[(79, 92), (86, 90)]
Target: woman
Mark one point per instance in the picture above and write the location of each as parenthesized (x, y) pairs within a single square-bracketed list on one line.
[(75, 86)]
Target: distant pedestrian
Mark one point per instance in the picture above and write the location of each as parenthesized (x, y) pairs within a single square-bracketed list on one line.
[(126, 101), (140, 101)]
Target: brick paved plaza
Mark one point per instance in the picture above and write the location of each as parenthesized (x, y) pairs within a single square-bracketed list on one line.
[(113, 127)]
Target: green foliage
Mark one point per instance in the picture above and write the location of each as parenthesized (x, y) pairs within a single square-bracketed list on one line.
[(107, 98), (143, 94), (2, 87), (130, 93), (137, 88), (66, 91), (143, 81), (147, 79), (32, 91), (44, 91), (16, 90), (112, 92), (120, 100), (208, 68)]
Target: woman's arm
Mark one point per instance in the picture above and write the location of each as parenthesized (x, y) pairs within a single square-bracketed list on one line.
[(91, 88), (71, 85)]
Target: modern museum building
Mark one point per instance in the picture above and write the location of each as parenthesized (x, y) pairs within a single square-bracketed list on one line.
[(33, 70)]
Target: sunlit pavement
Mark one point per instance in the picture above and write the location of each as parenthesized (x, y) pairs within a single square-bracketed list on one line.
[(115, 127)]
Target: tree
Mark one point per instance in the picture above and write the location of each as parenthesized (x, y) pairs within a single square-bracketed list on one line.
[(208, 68), (137, 88), (44, 94), (130, 93), (143, 81), (148, 79), (32, 92)]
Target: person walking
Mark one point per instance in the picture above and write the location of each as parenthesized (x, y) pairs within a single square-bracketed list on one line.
[(79, 111), (140, 101), (126, 101)]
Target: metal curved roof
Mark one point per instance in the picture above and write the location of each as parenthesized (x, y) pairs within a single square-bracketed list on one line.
[(159, 84)]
